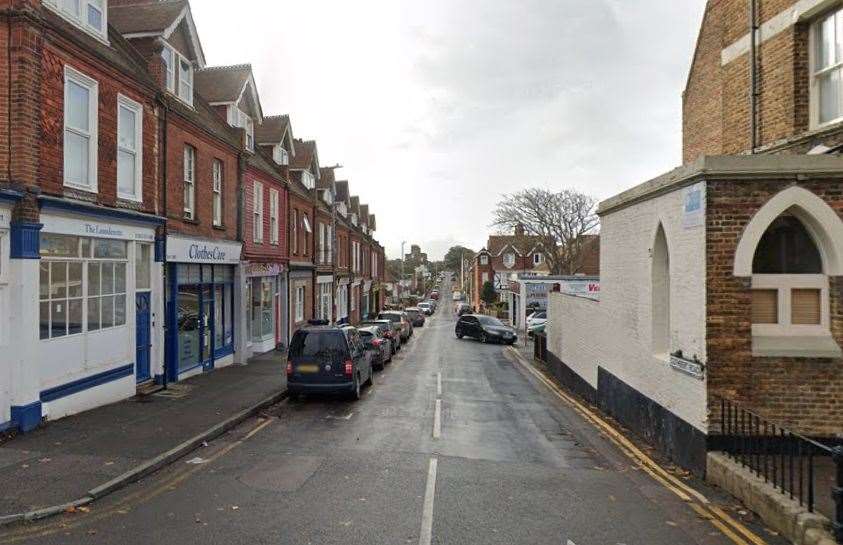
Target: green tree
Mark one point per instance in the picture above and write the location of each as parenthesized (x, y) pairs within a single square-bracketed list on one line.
[(454, 255), (488, 295)]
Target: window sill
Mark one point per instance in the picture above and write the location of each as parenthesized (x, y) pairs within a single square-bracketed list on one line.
[(190, 221), (219, 227), (823, 346)]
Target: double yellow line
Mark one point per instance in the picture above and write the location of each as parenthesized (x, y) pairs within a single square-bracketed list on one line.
[(731, 528)]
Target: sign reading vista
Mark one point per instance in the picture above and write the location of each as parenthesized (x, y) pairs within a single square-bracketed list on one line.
[(187, 250)]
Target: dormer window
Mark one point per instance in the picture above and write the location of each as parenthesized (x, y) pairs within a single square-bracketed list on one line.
[(509, 260), (484, 259), (280, 155), (241, 119), (327, 197), (538, 259), (307, 179), (89, 15), (354, 218), (341, 208), (176, 64)]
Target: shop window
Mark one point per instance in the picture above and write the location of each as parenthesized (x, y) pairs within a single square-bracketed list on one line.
[(204, 313), (106, 295), (80, 130), (660, 295), (789, 289), (263, 315)]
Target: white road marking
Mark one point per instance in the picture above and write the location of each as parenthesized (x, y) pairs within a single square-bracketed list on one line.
[(437, 419), (426, 533), (346, 417), (439, 384)]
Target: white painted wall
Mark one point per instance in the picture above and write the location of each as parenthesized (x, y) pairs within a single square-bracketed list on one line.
[(616, 333), (5, 317)]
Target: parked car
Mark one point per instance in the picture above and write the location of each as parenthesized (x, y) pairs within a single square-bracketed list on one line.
[(434, 295), (376, 342), (538, 317), (389, 329), (426, 308), (328, 359), (400, 319), (416, 316), (457, 296), (536, 328), (463, 308), (485, 329)]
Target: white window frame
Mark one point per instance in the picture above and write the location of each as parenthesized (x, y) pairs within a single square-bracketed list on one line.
[(77, 77), (307, 179), (189, 175), (306, 223), (784, 284), (280, 155), (137, 109), (273, 216), (170, 58), (300, 296), (294, 231), (815, 75), (484, 259), (216, 204), (538, 258), (257, 207), (507, 262), (80, 18), (185, 89)]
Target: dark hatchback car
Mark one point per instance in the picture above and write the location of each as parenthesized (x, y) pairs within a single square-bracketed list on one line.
[(389, 331), (416, 316), (485, 329), (377, 344), (400, 321), (328, 359)]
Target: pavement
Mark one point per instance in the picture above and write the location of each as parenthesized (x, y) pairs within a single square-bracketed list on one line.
[(456, 443), (62, 460)]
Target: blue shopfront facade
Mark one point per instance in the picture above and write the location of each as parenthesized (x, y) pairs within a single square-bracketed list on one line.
[(202, 305)]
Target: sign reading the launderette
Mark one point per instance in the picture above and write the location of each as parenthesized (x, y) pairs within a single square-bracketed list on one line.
[(186, 250), (692, 368)]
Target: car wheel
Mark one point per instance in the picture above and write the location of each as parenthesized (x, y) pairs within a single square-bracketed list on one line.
[(371, 380), (355, 393), (484, 339), (459, 335)]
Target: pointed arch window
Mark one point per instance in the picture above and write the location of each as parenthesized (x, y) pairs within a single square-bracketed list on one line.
[(660, 293)]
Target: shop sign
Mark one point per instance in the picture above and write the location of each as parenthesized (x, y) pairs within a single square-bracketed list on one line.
[(583, 288), (691, 368), (64, 225), (183, 250), (264, 269), (693, 202)]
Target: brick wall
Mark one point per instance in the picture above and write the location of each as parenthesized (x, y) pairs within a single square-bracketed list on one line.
[(803, 393), (180, 133), (265, 250)]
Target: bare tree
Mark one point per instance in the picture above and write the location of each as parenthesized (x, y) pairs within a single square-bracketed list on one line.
[(558, 219)]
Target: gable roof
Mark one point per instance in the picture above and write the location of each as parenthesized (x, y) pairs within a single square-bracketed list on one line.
[(273, 129), (305, 155), (372, 223), (364, 214), (342, 191), (355, 204), (148, 18), (327, 178), (521, 244), (227, 84)]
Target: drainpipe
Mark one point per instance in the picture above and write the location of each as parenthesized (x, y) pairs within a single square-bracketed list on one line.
[(753, 75), (164, 120)]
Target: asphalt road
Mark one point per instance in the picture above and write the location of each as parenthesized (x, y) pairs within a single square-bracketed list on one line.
[(455, 444)]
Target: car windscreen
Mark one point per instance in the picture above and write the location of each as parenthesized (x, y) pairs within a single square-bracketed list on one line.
[(488, 320), (317, 343), (365, 335), (391, 317)]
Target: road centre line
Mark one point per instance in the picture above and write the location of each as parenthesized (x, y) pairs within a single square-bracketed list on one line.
[(683, 491), (426, 533), (438, 384), (437, 419)]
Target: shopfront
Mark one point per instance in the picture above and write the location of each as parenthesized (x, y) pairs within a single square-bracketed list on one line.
[(201, 282), (264, 318)]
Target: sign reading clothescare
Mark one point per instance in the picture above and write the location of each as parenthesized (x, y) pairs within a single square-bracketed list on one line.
[(184, 250)]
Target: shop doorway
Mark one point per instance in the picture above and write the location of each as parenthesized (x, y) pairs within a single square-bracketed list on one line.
[(143, 339)]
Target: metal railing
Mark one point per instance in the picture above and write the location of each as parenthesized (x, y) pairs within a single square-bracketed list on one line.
[(787, 460), (540, 347)]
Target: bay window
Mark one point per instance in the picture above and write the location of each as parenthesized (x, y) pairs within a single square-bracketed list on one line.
[(80, 130), (129, 142)]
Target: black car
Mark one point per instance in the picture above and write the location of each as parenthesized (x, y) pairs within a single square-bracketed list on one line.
[(328, 359), (416, 316), (485, 329), (377, 344)]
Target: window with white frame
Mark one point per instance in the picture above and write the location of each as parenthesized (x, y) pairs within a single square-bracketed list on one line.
[(189, 190), (129, 149), (308, 232), (790, 292), (89, 15), (273, 216), (307, 179), (827, 68), (80, 130), (321, 243), (82, 285), (257, 206), (280, 155), (168, 57), (509, 260), (484, 259), (330, 244), (294, 232), (241, 119), (325, 301), (217, 193), (538, 258), (185, 80), (300, 303)]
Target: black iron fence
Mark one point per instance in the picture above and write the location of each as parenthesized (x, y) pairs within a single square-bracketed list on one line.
[(540, 347), (801, 468)]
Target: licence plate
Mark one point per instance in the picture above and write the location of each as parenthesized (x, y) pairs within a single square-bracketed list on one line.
[(308, 368)]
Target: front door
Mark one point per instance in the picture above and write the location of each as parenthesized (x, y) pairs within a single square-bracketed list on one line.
[(143, 344)]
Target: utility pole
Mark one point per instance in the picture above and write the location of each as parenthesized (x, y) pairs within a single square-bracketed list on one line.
[(401, 280)]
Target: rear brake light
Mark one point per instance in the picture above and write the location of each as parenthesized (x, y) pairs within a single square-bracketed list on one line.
[(377, 342), (349, 368), (289, 367)]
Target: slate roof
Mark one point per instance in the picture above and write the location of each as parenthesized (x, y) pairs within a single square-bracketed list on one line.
[(271, 131), (145, 16), (305, 151), (355, 204), (364, 214), (222, 83), (523, 244), (372, 223), (326, 178), (342, 190)]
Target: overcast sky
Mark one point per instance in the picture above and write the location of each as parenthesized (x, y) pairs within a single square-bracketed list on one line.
[(436, 108)]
